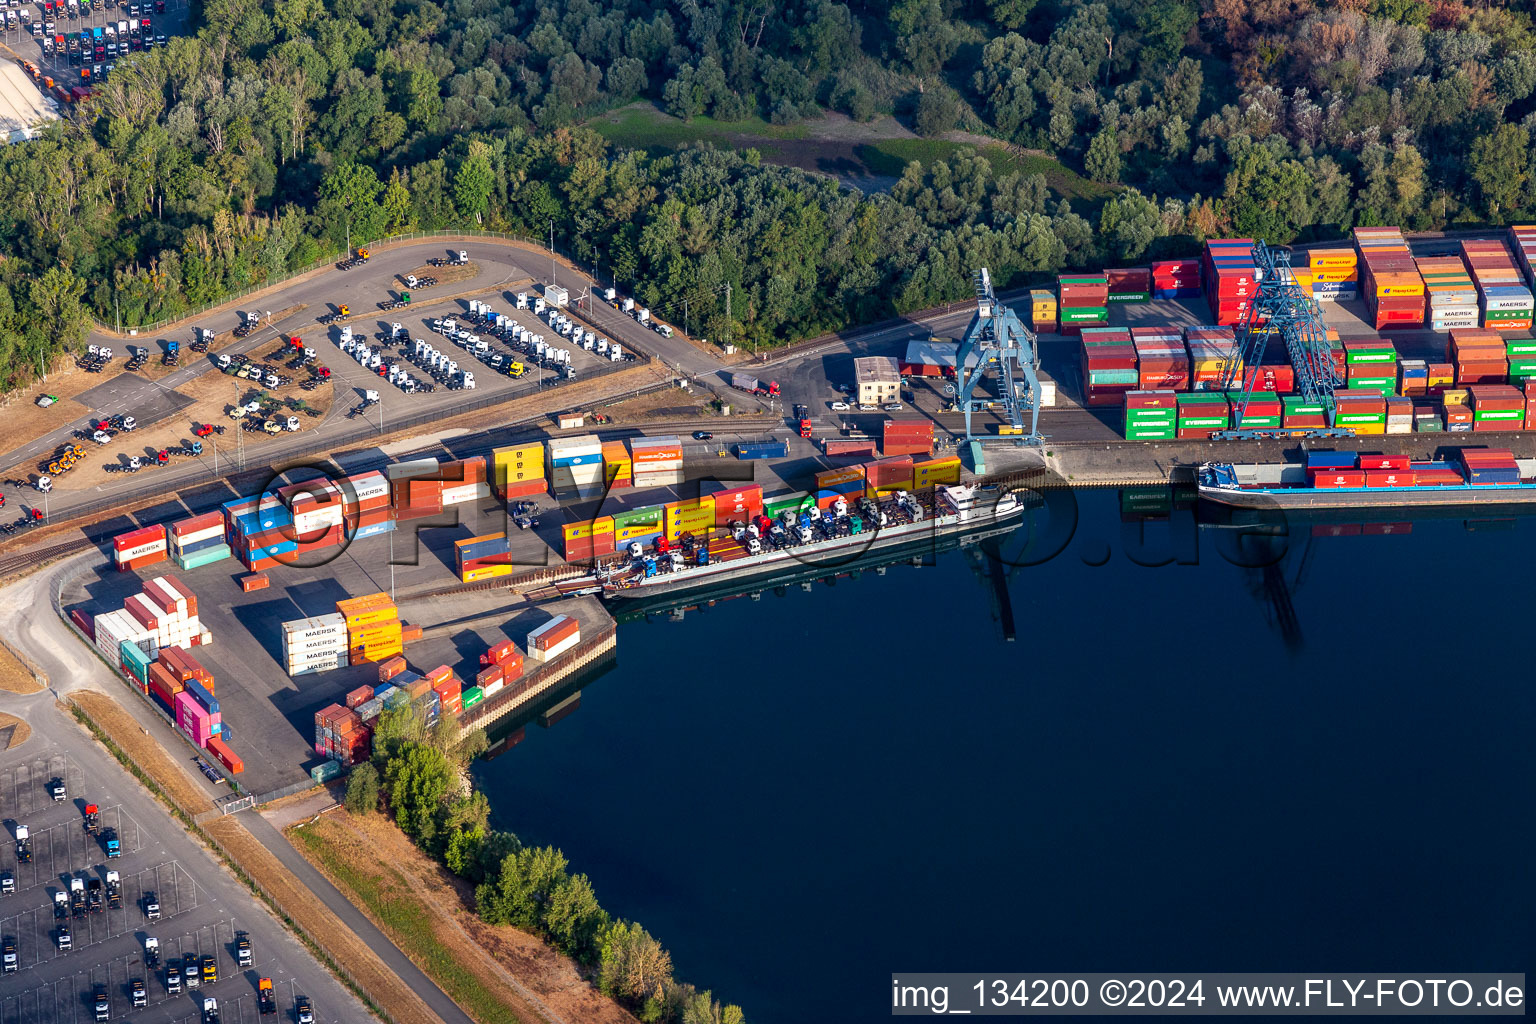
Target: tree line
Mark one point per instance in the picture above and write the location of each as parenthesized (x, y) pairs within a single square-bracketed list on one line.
[(419, 776), (284, 128)]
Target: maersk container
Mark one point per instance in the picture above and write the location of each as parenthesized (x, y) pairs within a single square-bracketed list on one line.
[(763, 450)]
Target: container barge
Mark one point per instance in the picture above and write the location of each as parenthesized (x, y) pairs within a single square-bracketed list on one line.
[(1347, 480), (815, 539)]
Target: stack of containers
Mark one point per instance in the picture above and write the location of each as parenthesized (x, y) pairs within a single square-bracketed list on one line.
[(464, 481), (365, 504), (1440, 377), (1428, 419), (1108, 360), (907, 437), (554, 638), (575, 466), (415, 489), (1231, 278), (172, 606), (1522, 238), (1497, 407), (1458, 415), (319, 514), (618, 467), (1521, 354), (117, 629), (884, 477), (1201, 413), (1333, 274), (179, 672), (163, 688), (1390, 283), (1451, 293), (482, 558), (1371, 363), (587, 539), (1162, 361), (198, 541), (450, 695), (1480, 357), (1263, 412), (317, 644), (373, 628), (1503, 295), (1400, 415), (1212, 351), (194, 717), (735, 502), (1151, 415), (1279, 379), (1530, 404), (518, 470), (1413, 378), (260, 531), (341, 734), (847, 483), (1364, 411), (695, 516), (641, 526), (1490, 467), (135, 664), (935, 471), (139, 547), (1130, 285), (658, 461), (1175, 279), (1043, 311), (1084, 301), (1298, 413)]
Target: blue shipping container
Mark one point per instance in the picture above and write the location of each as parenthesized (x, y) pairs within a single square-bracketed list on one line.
[(578, 460), (199, 545), (480, 549), (202, 696), (373, 530), (1331, 460), (762, 450)]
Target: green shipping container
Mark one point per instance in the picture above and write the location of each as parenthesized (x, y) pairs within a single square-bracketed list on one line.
[(1084, 314), (1508, 314), (472, 696), (1429, 424), (1520, 347), (1148, 500), (1489, 415), (1130, 296), (1298, 406), (1202, 422), (978, 458), (773, 507), (1168, 434), (1351, 419), (1086, 279), (648, 516), (1368, 356), (1258, 423), (1149, 415), (205, 557), (325, 772)]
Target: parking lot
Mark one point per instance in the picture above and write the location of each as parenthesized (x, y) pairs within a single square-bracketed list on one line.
[(201, 906), (166, 18)]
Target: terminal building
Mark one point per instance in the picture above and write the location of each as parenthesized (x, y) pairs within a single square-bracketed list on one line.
[(23, 107), (877, 379)]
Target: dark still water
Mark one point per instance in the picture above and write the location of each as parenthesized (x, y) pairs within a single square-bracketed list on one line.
[(1171, 768)]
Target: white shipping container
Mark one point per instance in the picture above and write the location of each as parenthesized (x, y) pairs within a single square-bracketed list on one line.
[(1509, 303), (465, 492), (318, 519), (414, 468), (372, 486), (194, 537), (554, 652), (139, 551)]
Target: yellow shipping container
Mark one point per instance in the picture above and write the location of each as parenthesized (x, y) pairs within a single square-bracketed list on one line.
[(927, 477), (629, 533), (367, 602), (1455, 396), (697, 522), (1336, 275), (1370, 428), (486, 572), (1331, 258), (832, 477), (587, 528), (363, 620)]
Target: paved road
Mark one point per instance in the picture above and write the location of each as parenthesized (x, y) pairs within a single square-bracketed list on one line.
[(202, 904), (377, 941)]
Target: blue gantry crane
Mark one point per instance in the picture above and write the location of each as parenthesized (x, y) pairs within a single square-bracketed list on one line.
[(998, 340), (1280, 307)]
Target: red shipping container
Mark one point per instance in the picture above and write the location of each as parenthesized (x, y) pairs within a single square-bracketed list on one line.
[(142, 561), (1383, 461), (389, 668), (361, 695), (255, 581), (86, 622), (512, 665), (134, 538), (225, 756), (1340, 478), (206, 521), (490, 675), (1388, 477)]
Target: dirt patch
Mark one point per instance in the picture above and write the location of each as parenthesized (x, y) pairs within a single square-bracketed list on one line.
[(214, 395), (155, 368), (445, 276), (503, 959), (148, 754), (673, 403), (312, 917), (15, 675), (13, 732), (22, 421)]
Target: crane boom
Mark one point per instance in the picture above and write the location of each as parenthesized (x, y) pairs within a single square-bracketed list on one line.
[(998, 340)]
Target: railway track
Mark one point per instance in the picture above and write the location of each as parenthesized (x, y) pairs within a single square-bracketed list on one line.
[(22, 561)]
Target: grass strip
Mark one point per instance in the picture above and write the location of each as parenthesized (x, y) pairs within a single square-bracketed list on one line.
[(391, 902)]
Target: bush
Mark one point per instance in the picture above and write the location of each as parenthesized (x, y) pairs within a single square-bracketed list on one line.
[(937, 112), (363, 789)]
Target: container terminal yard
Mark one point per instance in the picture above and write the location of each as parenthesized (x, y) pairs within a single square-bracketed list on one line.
[(271, 618)]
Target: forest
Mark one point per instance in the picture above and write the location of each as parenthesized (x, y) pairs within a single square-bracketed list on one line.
[(285, 127)]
